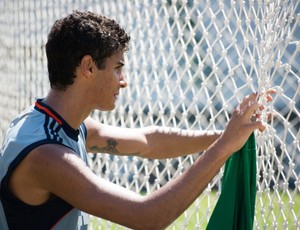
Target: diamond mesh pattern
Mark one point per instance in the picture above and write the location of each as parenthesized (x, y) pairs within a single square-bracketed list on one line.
[(189, 64)]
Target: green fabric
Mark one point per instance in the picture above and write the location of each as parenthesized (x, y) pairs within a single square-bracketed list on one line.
[(236, 204)]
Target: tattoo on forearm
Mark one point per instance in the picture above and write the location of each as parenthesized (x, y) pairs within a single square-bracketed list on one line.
[(111, 147)]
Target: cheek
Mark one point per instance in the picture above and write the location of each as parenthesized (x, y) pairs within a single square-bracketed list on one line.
[(113, 82), (107, 84), (106, 87)]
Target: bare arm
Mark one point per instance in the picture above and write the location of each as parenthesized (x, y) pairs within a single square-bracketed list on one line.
[(55, 169), (149, 142)]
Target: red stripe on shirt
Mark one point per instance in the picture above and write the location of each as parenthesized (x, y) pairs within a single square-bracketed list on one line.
[(48, 112)]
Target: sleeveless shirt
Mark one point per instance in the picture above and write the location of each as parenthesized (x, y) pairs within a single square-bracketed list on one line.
[(36, 126)]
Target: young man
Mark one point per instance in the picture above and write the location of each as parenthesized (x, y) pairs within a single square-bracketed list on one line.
[(45, 179)]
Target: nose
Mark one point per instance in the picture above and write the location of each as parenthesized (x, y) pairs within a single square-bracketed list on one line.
[(123, 82)]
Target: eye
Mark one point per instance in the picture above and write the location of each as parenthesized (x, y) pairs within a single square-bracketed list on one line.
[(119, 69)]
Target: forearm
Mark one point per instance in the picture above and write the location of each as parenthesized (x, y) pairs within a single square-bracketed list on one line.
[(149, 142), (167, 203), (171, 200), (165, 142)]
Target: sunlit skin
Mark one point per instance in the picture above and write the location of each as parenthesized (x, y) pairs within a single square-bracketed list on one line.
[(108, 82), (54, 170), (85, 53), (93, 88)]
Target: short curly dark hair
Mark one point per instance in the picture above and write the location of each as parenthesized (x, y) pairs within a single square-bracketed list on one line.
[(77, 35)]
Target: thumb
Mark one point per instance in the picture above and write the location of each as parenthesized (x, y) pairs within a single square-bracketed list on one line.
[(257, 125)]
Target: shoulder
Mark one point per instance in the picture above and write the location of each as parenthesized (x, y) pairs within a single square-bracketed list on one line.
[(47, 158), (40, 171), (50, 157), (52, 162), (51, 167)]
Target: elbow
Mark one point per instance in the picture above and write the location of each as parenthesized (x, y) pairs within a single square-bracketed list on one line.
[(156, 147), (152, 216), (144, 223), (155, 224), (150, 149)]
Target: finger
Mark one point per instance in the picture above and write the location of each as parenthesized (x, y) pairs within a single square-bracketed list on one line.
[(247, 99), (254, 118), (269, 98), (271, 116), (268, 94), (250, 111), (256, 125), (271, 91), (260, 126), (261, 107)]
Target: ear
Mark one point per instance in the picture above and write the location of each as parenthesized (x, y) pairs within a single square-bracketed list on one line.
[(87, 65)]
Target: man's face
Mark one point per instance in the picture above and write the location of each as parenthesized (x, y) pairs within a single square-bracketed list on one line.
[(108, 82)]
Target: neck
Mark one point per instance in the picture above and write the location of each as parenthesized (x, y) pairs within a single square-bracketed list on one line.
[(71, 107)]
